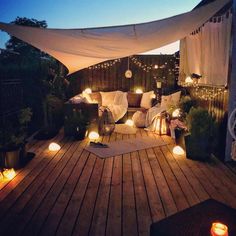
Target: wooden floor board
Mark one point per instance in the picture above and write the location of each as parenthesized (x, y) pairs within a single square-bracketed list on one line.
[(75, 192)]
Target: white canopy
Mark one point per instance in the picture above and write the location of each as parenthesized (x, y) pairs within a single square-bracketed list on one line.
[(81, 48)]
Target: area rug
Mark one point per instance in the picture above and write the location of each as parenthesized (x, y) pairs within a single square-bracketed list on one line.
[(125, 129), (121, 147)]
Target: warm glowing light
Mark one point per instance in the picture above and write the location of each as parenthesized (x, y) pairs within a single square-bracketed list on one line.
[(93, 135), (189, 80), (158, 84), (155, 66), (129, 123), (54, 147), (9, 173), (219, 229), (88, 90), (176, 113), (139, 91), (177, 150), (153, 96), (159, 124), (1, 176)]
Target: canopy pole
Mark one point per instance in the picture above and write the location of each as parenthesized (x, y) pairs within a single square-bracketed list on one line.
[(232, 84)]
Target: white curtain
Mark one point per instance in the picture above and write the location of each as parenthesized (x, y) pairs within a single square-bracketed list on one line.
[(80, 48), (206, 52)]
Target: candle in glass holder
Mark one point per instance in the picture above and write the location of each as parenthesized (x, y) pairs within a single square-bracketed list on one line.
[(219, 229)]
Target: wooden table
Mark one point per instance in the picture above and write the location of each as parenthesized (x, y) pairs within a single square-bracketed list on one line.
[(196, 220)]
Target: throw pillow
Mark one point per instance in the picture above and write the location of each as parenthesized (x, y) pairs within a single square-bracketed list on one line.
[(108, 98), (170, 100), (134, 99), (146, 101)]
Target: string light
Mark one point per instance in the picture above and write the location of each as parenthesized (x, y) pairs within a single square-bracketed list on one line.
[(105, 65)]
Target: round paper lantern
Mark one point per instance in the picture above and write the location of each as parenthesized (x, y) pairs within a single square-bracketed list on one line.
[(93, 135), (54, 147), (177, 150)]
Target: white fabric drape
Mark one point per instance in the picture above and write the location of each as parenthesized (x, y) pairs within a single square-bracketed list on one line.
[(207, 52), (80, 48)]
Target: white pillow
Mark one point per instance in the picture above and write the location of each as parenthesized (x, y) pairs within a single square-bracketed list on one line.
[(146, 101), (170, 100), (108, 98)]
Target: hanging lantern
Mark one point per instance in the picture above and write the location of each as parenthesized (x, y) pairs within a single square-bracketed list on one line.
[(128, 73), (160, 124), (106, 124)]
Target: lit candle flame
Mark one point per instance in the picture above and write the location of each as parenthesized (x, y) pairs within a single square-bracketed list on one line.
[(9, 173)]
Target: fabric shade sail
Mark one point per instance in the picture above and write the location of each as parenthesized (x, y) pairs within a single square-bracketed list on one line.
[(81, 48)]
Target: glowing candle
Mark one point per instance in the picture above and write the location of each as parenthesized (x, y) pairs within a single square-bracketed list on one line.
[(189, 80), (88, 90), (218, 229), (139, 91), (9, 173), (176, 113), (54, 147), (177, 150), (129, 123)]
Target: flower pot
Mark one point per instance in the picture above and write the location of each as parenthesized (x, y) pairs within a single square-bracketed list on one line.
[(197, 149), (12, 158)]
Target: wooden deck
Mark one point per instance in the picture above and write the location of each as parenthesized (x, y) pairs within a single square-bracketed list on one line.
[(75, 192)]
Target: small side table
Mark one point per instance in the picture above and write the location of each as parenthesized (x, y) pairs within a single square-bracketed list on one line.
[(196, 220)]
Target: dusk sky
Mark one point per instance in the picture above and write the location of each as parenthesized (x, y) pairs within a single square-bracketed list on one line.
[(94, 13)]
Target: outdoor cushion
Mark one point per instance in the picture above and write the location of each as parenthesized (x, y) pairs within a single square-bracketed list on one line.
[(146, 101), (139, 119), (170, 100)]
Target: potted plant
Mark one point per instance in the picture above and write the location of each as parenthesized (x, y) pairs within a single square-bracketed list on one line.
[(13, 138), (77, 124), (186, 103), (202, 136)]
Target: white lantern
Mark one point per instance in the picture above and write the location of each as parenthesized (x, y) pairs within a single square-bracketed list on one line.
[(177, 150), (54, 147), (93, 135)]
